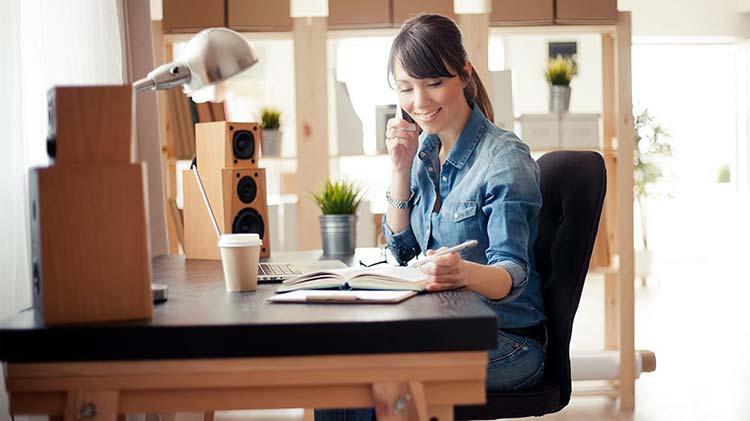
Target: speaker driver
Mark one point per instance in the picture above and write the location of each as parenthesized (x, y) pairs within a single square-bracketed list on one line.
[(247, 189), (248, 221), (243, 144)]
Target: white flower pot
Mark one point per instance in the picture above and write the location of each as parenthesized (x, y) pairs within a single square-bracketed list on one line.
[(271, 144), (644, 260)]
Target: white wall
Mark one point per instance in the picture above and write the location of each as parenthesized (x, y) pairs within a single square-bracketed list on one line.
[(687, 18)]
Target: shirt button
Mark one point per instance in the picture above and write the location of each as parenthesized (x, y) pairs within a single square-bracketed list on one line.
[(455, 216), (430, 169), (422, 154), (445, 178)]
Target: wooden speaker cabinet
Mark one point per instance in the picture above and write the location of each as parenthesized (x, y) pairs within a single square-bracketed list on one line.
[(227, 160), (238, 200), (90, 248), (222, 144)]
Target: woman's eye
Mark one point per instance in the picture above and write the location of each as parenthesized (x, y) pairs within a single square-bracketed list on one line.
[(433, 84), (405, 90)]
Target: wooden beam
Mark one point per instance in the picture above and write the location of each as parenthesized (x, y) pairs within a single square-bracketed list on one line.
[(476, 32), (310, 64), (625, 210)]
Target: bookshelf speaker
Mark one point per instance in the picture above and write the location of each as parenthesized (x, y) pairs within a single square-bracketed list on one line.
[(89, 124), (90, 257), (238, 200), (224, 144)]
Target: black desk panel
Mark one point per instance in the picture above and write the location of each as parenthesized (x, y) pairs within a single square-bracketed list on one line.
[(202, 320)]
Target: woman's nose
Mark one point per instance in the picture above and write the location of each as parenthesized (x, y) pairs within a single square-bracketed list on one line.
[(421, 99)]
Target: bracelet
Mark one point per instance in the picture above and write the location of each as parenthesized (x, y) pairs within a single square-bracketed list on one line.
[(400, 204)]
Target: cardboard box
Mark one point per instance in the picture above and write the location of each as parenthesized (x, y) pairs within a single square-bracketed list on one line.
[(514, 12), (353, 14), (258, 15), (405, 9), (192, 15), (586, 11)]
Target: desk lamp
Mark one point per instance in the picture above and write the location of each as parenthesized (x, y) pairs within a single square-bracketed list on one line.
[(209, 58)]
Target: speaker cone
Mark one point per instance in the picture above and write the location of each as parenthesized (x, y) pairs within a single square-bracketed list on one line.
[(247, 189), (243, 144), (248, 221)]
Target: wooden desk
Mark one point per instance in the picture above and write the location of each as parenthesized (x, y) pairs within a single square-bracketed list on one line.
[(207, 349)]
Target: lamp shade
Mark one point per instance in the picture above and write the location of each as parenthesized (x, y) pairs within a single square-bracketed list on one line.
[(210, 57)]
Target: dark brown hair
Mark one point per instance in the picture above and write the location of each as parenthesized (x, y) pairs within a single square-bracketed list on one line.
[(428, 46)]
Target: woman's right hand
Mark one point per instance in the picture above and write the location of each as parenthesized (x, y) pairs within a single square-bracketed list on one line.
[(402, 144)]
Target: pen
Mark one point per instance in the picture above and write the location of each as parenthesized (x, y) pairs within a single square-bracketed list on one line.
[(463, 246), (331, 297)]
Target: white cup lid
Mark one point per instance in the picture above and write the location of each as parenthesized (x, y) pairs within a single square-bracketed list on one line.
[(239, 240)]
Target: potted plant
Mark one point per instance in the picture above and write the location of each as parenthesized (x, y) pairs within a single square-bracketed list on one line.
[(338, 201), (271, 124), (651, 145), (559, 72)]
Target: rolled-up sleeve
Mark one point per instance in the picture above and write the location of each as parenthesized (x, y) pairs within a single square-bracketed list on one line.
[(512, 203), (403, 245)]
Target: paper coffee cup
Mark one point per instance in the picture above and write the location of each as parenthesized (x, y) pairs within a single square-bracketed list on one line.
[(239, 258)]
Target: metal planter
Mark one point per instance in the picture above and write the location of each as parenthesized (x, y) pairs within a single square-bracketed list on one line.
[(339, 234)]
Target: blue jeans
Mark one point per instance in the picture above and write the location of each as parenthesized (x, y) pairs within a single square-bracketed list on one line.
[(516, 363)]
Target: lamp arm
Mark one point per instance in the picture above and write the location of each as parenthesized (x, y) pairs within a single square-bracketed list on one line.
[(166, 76)]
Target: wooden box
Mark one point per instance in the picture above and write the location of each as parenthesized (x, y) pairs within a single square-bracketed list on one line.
[(405, 9), (192, 15), (90, 245), (354, 14), (527, 12), (586, 11), (258, 15)]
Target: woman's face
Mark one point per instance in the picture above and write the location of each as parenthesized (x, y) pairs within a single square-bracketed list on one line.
[(434, 103)]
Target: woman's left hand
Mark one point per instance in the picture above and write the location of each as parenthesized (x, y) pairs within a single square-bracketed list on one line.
[(445, 272)]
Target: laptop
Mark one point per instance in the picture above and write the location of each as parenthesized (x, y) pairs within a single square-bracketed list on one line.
[(277, 272)]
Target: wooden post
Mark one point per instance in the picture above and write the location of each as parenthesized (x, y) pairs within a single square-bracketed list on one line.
[(625, 210), (476, 31), (609, 123), (310, 63)]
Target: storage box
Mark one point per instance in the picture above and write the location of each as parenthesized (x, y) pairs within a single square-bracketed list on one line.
[(514, 12), (566, 131), (258, 15), (353, 14), (586, 11), (405, 9), (192, 15)]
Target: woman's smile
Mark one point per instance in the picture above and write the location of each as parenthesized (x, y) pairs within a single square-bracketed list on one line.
[(428, 117)]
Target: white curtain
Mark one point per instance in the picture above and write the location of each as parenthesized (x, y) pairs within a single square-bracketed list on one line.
[(42, 43)]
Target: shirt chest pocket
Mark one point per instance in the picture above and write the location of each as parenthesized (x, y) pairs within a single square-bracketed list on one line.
[(460, 222)]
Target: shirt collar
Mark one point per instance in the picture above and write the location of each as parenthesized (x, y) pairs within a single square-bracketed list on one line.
[(466, 143)]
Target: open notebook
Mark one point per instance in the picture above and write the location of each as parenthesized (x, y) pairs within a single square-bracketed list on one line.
[(399, 278)]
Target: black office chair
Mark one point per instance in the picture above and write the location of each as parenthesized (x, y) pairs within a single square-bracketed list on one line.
[(573, 185)]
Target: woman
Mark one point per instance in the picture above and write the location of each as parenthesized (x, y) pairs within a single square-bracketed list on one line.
[(471, 180)]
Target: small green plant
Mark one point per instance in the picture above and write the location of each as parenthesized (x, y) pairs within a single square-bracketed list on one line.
[(270, 118), (559, 71), (339, 198), (724, 175), (651, 144)]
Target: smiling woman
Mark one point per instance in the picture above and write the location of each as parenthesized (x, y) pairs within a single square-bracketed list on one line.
[(471, 181)]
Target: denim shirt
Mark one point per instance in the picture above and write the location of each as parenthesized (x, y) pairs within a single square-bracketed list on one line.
[(489, 190)]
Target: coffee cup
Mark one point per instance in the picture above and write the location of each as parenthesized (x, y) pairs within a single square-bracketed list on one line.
[(239, 258)]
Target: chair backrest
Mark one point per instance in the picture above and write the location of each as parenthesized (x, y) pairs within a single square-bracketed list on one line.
[(573, 185)]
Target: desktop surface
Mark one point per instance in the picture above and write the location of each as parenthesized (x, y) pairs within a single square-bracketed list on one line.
[(202, 320)]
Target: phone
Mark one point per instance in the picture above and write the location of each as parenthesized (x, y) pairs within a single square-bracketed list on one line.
[(405, 116)]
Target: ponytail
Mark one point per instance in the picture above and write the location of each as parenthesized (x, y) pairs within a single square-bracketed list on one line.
[(476, 93)]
